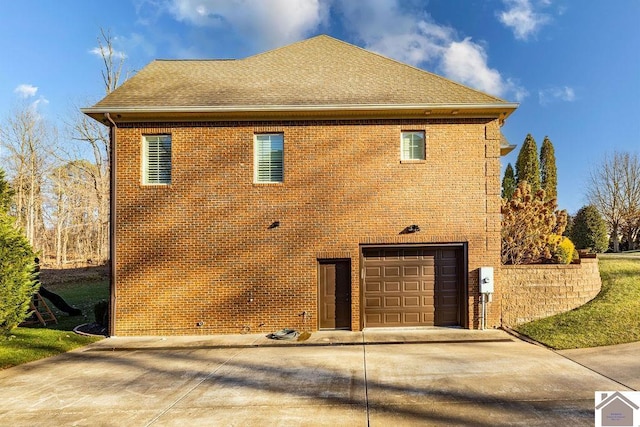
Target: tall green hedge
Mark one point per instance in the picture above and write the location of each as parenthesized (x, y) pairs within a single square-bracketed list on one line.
[(17, 284), (508, 183), (548, 169), (527, 164)]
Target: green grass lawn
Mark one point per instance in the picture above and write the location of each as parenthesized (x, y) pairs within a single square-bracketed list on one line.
[(29, 344), (26, 344), (612, 317)]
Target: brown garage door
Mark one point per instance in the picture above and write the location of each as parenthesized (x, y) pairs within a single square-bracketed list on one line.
[(412, 286)]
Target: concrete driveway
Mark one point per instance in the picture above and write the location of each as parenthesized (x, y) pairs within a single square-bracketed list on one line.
[(377, 378)]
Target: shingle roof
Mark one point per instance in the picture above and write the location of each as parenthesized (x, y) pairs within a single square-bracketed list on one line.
[(315, 72)]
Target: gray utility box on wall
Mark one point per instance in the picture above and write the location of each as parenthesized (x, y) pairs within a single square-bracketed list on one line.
[(486, 280)]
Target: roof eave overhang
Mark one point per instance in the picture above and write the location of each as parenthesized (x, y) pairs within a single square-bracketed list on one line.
[(504, 150), (300, 112), (505, 146)]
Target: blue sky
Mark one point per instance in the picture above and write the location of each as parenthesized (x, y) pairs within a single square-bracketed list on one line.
[(573, 65)]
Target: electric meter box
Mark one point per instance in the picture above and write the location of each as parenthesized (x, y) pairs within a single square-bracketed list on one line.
[(486, 280)]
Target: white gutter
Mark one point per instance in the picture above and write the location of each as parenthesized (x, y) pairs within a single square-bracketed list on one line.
[(275, 108)]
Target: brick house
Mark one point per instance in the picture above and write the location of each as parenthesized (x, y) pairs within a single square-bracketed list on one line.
[(315, 186)]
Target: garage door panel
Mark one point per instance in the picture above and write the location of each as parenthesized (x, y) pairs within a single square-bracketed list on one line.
[(428, 317), (372, 302), (373, 318), (446, 285), (388, 318), (391, 287), (392, 317), (427, 285), (392, 302), (448, 270), (373, 271), (411, 286), (449, 318), (447, 300), (411, 254), (372, 287), (391, 254), (411, 270), (391, 271), (428, 270), (411, 301), (428, 303), (412, 317), (449, 253)]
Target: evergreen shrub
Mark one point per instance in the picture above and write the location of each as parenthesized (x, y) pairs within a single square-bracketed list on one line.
[(17, 279)]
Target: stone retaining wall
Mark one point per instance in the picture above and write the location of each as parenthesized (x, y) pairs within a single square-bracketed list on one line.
[(532, 292)]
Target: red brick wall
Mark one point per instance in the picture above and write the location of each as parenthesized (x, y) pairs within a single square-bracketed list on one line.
[(199, 251)]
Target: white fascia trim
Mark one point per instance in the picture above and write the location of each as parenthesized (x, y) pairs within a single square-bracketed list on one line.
[(275, 108)]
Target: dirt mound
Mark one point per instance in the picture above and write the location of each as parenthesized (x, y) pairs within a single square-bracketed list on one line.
[(50, 276)]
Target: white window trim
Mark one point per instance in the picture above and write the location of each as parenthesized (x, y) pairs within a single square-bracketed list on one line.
[(404, 159), (256, 179), (145, 161)]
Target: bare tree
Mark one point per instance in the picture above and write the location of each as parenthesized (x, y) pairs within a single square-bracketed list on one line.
[(29, 142), (631, 199), (113, 61), (96, 137), (74, 215), (96, 172), (614, 189), (62, 201)]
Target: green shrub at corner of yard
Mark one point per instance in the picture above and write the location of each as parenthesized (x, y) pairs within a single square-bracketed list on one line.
[(24, 345), (612, 317)]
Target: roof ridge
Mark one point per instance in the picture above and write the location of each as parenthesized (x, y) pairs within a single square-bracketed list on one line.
[(275, 49), (194, 59), (371, 52)]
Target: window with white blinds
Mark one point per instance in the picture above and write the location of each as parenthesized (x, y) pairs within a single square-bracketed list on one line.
[(156, 167), (269, 157), (413, 147)]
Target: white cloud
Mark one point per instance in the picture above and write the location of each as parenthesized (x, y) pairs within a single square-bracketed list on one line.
[(519, 92), (38, 103), (423, 42), (419, 41), (466, 62), (390, 27), (29, 91), (522, 19), (273, 22), (564, 93), (26, 90), (103, 51)]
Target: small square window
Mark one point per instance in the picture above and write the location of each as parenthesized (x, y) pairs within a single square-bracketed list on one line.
[(269, 157), (156, 159), (413, 145)]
